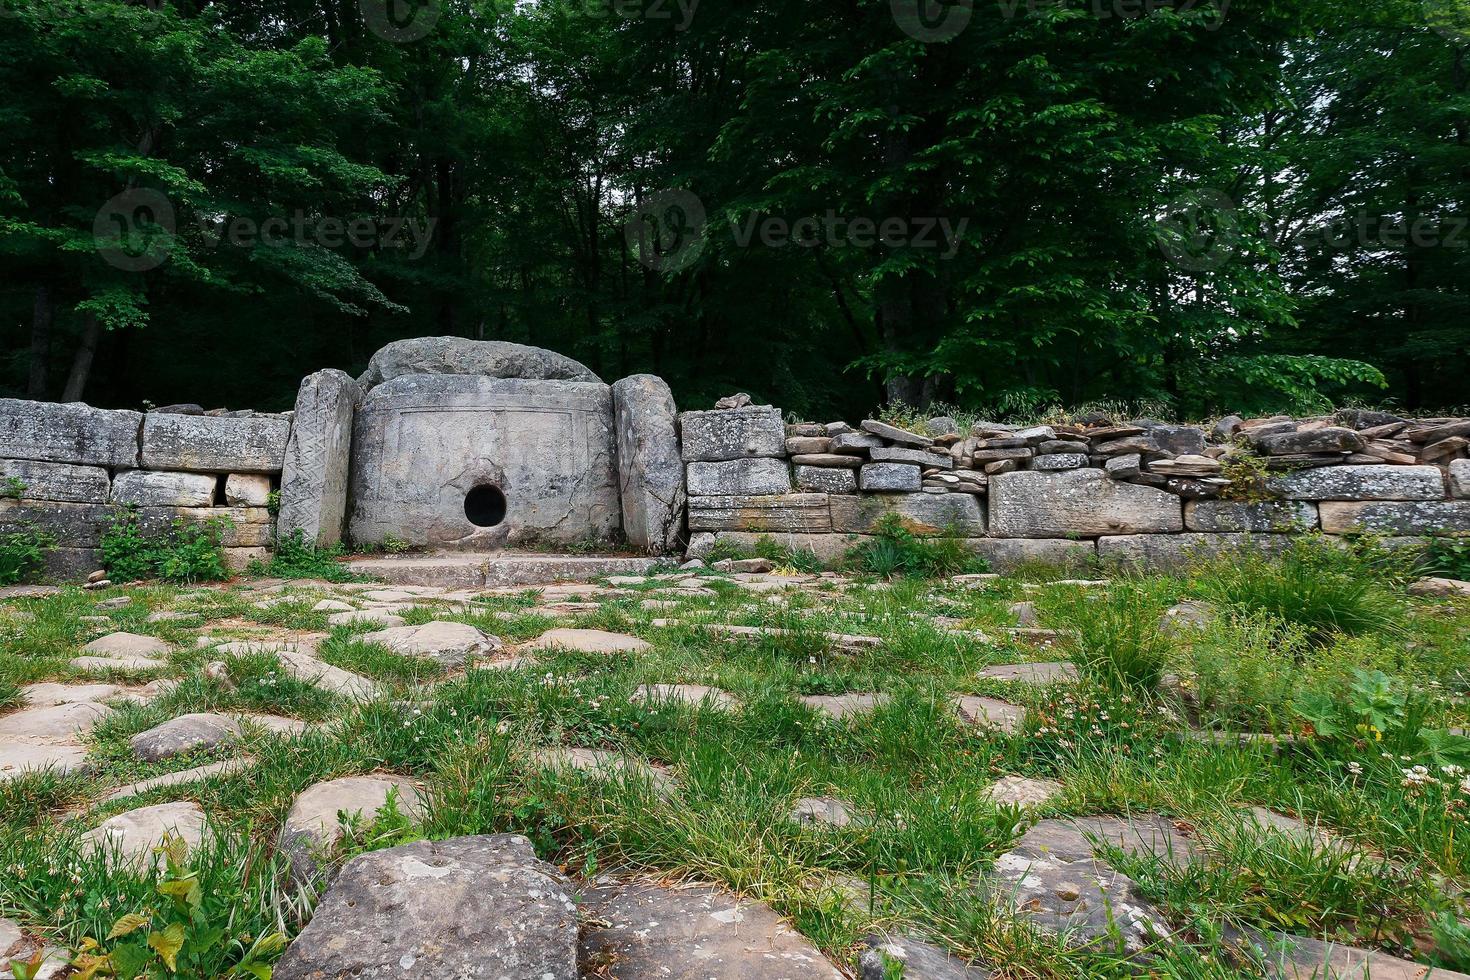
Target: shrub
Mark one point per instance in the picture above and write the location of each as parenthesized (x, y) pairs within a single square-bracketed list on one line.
[(767, 547), (295, 558), (896, 550), (1449, 557), (188, 552), (23, 555), (1245, 668), (1114, 635), (1320, 586)]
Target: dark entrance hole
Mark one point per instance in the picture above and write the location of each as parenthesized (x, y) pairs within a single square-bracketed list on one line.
[(485, 506)]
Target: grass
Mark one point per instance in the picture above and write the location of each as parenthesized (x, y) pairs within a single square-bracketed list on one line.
[(912, 769)]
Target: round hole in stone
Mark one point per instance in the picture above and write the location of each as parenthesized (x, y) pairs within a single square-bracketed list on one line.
[(485, 506)]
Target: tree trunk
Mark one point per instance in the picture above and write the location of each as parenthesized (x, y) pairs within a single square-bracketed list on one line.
[(42, 316), (81, 365)]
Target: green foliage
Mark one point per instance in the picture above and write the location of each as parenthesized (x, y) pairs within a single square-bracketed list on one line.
[(797, 559), (1314, 584), (295, 558), (179, 936), (1448, 557), (1244, 668), (896, 550), (1246, 470), (189, 551), (12, 488), (23, 554), (1113, 635), (1374, 713)]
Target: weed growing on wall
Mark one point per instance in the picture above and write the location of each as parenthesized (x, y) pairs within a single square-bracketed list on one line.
[(23, 555), (896, 550), (295, 558), (188, 552)]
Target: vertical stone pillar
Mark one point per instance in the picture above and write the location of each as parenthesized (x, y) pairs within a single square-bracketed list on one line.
[(650, 469), (318, 457)]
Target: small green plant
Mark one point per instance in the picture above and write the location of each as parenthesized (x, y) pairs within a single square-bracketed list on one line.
[(1379, 714), (273, 503), (295, 558), (23, 554), (12, 488), (1449, 557), (176, 937), (1247, 473), (797, 559), (896, 550), (1114, 635), (188, 552)]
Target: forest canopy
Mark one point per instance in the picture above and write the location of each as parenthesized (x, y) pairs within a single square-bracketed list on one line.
[(1003, 205)]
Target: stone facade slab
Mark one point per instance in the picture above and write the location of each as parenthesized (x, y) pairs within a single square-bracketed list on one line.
[(650, 468), (732, 433), (1360, 483), (738, 477), (1005, 554), (57, 481), (890, 478), (215, 443), (74, 433), (805, 512), (1411, 517), (1165, 551), (1077, 502), (318, 460), (1273, 516), (1460, 478), (926, 513), (146, 488), (825, 479)]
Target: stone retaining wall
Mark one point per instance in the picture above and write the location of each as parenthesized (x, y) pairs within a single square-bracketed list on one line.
[(1141, 491), (67, 469)]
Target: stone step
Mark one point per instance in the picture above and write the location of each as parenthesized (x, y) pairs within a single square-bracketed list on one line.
[(498, 568)]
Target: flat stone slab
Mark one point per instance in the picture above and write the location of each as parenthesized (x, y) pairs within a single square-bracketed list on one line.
[(1285, 957), (120, 645), (1052, 880), (58, 724), (1047, 672), (133, 835), (19, 758), (917, 959), (224, 767), (1443, 588), (990, 713), (693, 694), (471, 908), (845, 705), (321, 674), (450, 644), (828, 810), (16, 947), (313, 826), (1022, 791), (478, 569), (186, 733), (601, 763), (586, 641), (46, 694), (374, 617), (693, 933), (124, 664), (842, 641)]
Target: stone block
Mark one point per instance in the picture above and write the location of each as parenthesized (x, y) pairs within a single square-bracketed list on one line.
[(726, 434), (1084, 503), (484, 463), (1059, 461), (71, 564), (927, 513), (855, 443), (1267, 516), (807, 445), (1360, 483), (806, 512), (72, 433), (247, 490), (829, 548), (828, 460), (145, 488), (894, 434), (215, 443), (1005, 554), (1178, 440), (738, 477), (650, 469), (70, 525), (826, 479), (318, 458), (922, 457), (1169, 551), (1460, 478), (461, 356), (890, 478), (241, 527), (1416, 517), (66, 482), (1331, 439)]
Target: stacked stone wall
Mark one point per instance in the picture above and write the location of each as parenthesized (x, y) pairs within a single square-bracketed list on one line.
[(67, 470), (1140, 491)]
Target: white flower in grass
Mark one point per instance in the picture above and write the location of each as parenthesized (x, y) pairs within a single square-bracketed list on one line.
[(1356, 768), (1452, 771), (1465, 786)]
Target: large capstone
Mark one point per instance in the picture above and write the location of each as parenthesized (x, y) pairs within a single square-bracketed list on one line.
[(485, 358), (215, 443), (318, 458), (650, 470), (472, 908), (457, 461), (72, 433)]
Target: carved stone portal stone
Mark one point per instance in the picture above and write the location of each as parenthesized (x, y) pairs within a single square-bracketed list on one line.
[(459, 461)]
